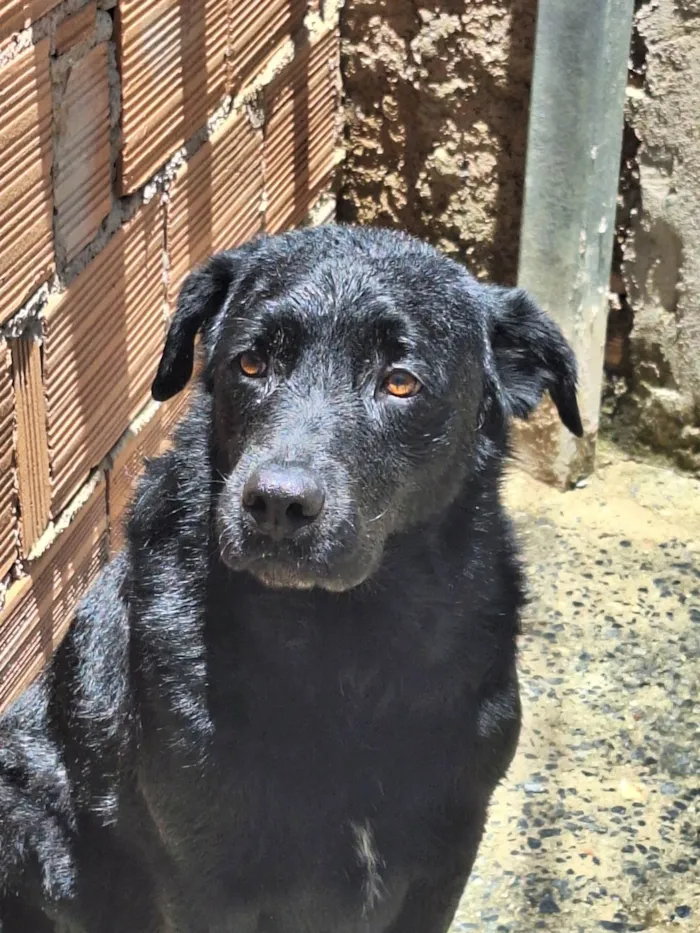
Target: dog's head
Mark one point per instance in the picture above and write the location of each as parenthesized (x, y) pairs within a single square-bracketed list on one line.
[(357, 378)]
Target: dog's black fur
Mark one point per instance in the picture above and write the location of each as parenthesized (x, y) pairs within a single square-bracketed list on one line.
[(244, 735)]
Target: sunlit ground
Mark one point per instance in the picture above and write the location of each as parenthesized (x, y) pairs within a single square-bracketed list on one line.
[(597, 826)]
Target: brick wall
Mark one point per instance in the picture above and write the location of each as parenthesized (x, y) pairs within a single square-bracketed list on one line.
[(135, 139)]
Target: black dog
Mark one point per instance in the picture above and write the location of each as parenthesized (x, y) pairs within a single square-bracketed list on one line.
[(284, 708)]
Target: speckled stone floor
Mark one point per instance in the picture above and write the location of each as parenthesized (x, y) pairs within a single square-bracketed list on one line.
[(598, 824)]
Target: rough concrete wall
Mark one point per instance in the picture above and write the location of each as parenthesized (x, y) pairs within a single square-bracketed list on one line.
[(656, 395), (437, 111)]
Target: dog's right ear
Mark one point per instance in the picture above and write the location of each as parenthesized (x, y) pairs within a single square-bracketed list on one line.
[(202, 297)]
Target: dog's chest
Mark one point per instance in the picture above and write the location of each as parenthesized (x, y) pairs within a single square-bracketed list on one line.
[(320, 787)]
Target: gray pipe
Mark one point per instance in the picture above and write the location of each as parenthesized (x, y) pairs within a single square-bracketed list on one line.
[(572, 174)]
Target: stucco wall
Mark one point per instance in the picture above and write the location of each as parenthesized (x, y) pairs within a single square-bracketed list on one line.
[(657, 398), (437, 98)]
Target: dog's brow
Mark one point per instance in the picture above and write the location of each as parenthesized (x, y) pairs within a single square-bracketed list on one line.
[(390, 333), (275, 326)]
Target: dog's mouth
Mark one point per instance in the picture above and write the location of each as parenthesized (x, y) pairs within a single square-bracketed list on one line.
[(279, 567), (279, 574)]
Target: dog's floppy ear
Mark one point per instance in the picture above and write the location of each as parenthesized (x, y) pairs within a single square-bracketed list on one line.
[(202, 296), (531, 357)]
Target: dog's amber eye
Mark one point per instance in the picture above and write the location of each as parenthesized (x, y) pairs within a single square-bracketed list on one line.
[(252, 364), (402, 384)]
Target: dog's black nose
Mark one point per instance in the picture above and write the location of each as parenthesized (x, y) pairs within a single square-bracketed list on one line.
[(283, 498)]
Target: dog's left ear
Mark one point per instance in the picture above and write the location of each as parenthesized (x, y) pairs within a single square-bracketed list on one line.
[(532, 357), (202, 296)]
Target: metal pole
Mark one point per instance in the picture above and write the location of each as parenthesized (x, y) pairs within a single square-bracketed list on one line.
[(572, 174)]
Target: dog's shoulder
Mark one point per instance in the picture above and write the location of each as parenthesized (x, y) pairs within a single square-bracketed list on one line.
[(63, 744), (68, 744), (37, 817), (93, 709), (170, 506), (168, 533), (478, 562)]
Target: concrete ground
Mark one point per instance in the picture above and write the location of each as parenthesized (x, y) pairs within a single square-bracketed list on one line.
[(597, 826)]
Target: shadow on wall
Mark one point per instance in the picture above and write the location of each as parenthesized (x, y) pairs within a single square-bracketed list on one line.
[(194, 103), (436, 113), (302, 150), (255, 33)]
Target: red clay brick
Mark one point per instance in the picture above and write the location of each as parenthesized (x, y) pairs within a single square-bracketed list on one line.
[(12, 17), (102, 341), (38, 8), (8, 520), (216, 200), (32, 444), (26, 202), (76, 28), (173, 70), (257, 29), (19, 14), (40, 607), (83, 156), (121, 479), (300, 134)]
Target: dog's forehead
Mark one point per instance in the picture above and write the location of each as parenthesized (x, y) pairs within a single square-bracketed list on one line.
[(352, 291), (363, 293)]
